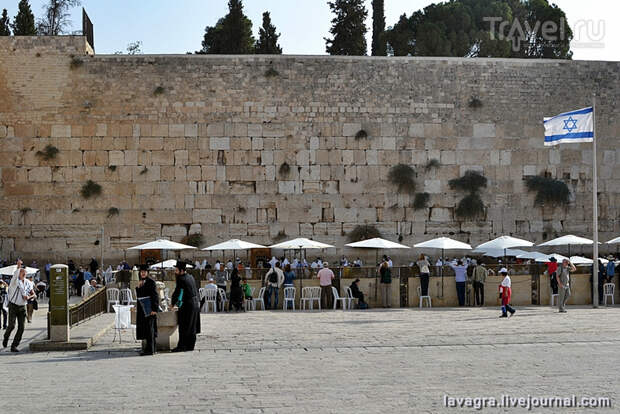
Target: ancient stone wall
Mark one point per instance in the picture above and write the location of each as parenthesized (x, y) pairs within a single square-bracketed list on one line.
[(184, 144)]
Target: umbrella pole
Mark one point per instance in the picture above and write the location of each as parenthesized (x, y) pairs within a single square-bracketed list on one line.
[(442, 265), (376, 274)]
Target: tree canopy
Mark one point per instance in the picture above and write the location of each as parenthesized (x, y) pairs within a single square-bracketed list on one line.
[(348, 28), (55, 19), (4, 24), (23, 22), (483, 28), (267, 43), (232, 34), (379, 45)]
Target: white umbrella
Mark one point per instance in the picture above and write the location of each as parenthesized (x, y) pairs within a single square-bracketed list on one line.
[(546, 258), (578, 260), (300, 243), (161, 244), (377, 243), (10, 270), (500, 252), (504, 242), (533, 255), (614, 241), (168, 264), (234, 244), (443, 243), (567, 240)]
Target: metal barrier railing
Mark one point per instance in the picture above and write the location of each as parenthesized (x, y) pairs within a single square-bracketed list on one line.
[(88, 308)]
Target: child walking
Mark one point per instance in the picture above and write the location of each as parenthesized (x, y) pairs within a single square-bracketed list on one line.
[(504, 293)]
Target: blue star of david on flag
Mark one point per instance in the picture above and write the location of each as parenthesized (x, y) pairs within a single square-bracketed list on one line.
[(574, 126), (568, 121)]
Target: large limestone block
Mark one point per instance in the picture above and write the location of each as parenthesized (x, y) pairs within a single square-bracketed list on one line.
[(207, 215)]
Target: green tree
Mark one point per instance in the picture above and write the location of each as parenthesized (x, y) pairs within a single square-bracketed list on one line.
[(267, 43), (348, 28), (379, 45), (55, 19), (471, 28), (4, 24), (232, 34), (23, 22)]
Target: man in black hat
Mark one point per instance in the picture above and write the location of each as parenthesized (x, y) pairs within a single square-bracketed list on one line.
[(148, 306), (185, 298)]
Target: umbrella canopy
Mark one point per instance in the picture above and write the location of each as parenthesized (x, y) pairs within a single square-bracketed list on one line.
[(533, 255), (546, 258), (168, 264), (301, 243), (377, 243), (504, 242), (234, 244), (500, 252), (567, 240), (10, 270), (161, 245), (578, 260), (614, 241), (444, 243)]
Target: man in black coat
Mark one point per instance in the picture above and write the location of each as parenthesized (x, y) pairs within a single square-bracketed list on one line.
[(185, 298), (146, 326)]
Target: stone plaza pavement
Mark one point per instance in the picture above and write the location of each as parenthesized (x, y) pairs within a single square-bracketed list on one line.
[(388, 361)]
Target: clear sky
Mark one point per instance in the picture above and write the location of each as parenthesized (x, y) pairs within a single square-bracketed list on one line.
[(166, 26)]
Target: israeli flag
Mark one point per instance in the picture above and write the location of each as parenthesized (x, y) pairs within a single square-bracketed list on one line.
[(575, 126)]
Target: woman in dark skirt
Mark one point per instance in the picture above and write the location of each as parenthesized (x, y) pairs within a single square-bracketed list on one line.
[(236, 293)]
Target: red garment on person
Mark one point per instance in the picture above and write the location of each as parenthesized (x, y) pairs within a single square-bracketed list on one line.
[(506, 294), (552, 267)]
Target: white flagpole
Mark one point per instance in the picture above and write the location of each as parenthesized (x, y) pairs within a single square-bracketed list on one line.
[(594, 210)]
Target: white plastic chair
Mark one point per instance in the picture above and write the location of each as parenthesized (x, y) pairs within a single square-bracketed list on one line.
[(427, 297), (223, 299), (349, 296), (85, 290), (112, 295), (316, 296), (306, 297), (126, 298), (344, 300), (554, 298), (289, 297), (608, 291), (210, 295), (122, 321), (260, 299)]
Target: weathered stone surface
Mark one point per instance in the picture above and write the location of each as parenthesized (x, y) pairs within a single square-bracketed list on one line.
[(193, 157)]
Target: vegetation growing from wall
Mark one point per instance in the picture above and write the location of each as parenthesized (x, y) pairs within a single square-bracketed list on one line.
[(421, 201), (363, 232), (90, 189), (49, 153), (113, 211), (471, 206), (549, 191), (196, 240), (403, 176)]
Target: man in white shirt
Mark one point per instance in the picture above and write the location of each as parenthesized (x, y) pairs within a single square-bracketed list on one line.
[(217, 266), (273, 261), (210, 285), (17, 307)]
